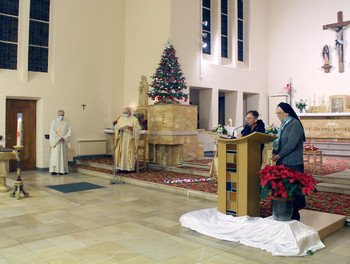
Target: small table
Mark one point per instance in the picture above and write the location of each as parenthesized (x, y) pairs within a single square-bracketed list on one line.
[(314, 154), (5, 156)]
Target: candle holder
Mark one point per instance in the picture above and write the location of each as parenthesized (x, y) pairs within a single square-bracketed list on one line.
[(18, 188)]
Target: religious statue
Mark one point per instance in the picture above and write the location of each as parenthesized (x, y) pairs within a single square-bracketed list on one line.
[(325, 55), (339, 42), (143, 92)]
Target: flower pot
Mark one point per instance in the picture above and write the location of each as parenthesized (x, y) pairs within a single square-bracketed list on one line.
[(282, 208)]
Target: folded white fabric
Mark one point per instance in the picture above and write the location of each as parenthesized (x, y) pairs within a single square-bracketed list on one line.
[(280, 238)]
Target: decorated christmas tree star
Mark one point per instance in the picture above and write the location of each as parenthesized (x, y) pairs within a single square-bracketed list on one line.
[(168, 82)]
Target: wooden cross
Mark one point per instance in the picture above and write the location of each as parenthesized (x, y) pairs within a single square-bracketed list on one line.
[(338, 28), (83, 105)]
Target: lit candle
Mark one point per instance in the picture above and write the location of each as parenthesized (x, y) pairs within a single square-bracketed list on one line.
[(19, 130)]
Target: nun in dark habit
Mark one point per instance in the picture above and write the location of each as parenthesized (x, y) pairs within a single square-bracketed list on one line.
[(289, 147)]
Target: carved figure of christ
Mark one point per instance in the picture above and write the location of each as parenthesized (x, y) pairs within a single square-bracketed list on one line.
[(339, 28)]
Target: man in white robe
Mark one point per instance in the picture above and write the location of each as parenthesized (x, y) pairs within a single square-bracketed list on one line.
[(60, 134), (126, 141)]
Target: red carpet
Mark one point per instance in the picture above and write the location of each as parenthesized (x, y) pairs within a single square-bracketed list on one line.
[(321, 201), (335, 203)]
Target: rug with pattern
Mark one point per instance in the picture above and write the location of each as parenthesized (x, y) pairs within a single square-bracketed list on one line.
[(321, 201)]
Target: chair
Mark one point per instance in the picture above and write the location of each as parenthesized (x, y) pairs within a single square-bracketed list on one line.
[(141, 153), (314, 153)]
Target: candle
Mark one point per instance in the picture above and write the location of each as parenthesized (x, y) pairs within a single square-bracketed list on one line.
[(19, 130)]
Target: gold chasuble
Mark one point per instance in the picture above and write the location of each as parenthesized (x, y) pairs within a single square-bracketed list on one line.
[(126, 142)]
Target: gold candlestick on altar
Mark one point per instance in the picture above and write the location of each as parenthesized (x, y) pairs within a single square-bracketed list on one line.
[(18, 188)]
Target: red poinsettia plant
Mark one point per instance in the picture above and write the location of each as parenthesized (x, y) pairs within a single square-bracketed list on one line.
[(284, 182)]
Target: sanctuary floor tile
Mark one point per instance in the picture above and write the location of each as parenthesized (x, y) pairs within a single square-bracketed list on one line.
[(121, 224)]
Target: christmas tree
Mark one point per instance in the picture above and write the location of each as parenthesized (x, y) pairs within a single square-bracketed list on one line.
[(168, 80)]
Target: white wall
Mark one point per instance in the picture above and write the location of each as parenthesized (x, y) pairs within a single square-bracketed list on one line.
[(86, 51), (147, 31), (296, 38), (186, 36)]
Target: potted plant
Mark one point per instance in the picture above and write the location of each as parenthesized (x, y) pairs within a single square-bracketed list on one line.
[(220, 129), (284, 183), (272, 130), (301, 105)]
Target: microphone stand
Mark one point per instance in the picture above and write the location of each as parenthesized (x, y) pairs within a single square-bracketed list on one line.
[(116, 179)]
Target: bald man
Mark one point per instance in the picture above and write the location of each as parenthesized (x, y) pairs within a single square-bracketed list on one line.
[(126, 140)]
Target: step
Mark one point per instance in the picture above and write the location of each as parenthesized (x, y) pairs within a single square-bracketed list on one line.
[(335, 149), (332, 178), (178, 169), (94, 164), (196, 165), (333, 187)]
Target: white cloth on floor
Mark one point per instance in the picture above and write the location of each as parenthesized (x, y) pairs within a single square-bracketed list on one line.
[(280, 238)]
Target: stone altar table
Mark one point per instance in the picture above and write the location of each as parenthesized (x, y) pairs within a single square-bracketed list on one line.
[(326, 126), (172, 134)]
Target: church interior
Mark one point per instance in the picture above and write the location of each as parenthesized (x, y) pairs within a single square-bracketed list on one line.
[(90, 59)]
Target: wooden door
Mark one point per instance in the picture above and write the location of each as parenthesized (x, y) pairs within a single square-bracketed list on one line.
[(28, 108)]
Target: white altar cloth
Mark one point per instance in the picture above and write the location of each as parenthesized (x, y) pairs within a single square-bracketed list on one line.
[(280, 238)]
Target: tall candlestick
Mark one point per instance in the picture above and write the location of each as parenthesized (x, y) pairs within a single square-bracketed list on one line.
[(19, 129)]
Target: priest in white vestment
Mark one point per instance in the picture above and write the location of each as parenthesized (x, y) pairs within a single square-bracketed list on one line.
[(60, 134), (126, 141)]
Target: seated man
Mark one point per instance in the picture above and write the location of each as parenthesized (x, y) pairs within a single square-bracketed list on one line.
[(126, 141)]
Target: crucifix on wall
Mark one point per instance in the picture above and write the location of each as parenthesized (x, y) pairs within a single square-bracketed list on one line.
[(339, 43)]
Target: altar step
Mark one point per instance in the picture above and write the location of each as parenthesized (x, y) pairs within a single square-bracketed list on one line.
[(98, 165), (186, 167), (338, 182), (333, 149)]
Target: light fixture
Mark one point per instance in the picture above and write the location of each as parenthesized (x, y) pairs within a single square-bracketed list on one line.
[(204, 35), (204, 45), (205, 23)]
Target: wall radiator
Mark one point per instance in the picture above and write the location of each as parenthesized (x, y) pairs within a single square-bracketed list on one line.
[(92, 147)]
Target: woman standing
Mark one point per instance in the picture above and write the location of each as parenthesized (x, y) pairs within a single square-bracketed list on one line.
[(288, 147)]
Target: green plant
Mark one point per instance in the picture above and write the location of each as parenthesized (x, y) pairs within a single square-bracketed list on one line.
[(272, 130), (220, 129), (301, 104)]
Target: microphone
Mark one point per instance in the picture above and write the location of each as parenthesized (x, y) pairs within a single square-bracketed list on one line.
[(235, 130), (238, 127)]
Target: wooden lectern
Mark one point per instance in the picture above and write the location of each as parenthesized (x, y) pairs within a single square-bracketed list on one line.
[(239, 160)]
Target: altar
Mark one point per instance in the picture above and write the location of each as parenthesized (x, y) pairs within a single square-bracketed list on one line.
[(326, 126)]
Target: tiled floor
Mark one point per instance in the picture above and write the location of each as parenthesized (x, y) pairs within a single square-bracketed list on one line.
[(121, 224)]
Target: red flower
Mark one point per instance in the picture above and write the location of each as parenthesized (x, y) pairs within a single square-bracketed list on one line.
[(284, 182)]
